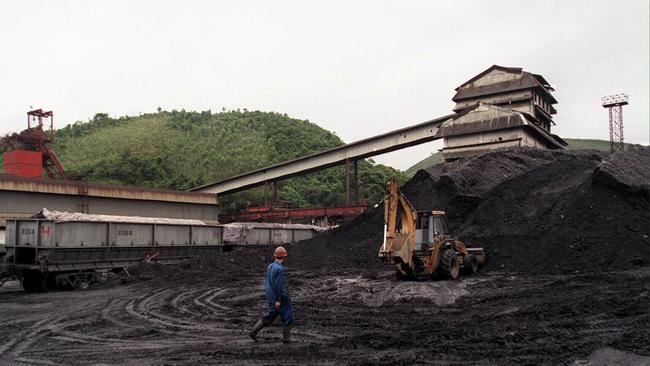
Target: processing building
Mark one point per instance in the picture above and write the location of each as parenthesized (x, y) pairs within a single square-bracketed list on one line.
[(500, 107)]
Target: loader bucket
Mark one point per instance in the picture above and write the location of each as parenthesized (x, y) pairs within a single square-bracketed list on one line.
[(479, 253)]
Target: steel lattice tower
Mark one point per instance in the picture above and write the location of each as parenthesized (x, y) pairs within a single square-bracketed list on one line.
[(615, 105)]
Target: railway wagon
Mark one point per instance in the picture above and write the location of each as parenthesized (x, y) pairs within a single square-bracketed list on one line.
[(60, 250), (258, 234), (51, 254)]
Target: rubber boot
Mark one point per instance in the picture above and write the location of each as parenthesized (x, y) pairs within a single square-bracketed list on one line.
[(258, 326), (286, 334)]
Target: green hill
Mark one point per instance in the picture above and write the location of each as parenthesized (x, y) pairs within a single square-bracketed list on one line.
[(428, 162), (574, 144), (180, 150), (584, 144)]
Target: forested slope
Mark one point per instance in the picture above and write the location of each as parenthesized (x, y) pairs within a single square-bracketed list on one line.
[(180, 150)]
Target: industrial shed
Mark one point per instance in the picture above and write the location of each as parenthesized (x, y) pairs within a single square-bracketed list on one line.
[(23, 197)]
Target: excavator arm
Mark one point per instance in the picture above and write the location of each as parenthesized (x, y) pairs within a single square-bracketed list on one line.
[(399, 227)]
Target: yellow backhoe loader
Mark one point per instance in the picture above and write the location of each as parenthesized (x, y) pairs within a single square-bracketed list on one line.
[(420, 244)]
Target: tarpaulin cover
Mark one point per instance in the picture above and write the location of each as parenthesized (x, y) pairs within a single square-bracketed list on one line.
[(236, 232), (62, 216)]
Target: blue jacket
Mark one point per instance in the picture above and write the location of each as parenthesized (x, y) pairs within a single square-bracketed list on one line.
[(274, 284)]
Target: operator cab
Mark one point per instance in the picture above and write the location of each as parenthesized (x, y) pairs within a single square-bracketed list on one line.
[(428, 226)]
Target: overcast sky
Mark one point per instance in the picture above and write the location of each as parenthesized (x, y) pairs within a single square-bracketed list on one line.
[(358, 68)]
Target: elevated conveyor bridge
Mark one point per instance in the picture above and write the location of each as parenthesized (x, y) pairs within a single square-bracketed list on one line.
[(348, 154)]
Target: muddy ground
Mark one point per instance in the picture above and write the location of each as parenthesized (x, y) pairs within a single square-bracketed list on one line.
[(486, 319), (567, 283)]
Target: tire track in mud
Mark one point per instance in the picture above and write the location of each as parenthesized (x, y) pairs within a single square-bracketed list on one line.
[(46, 326), (542, 319), (139, 319), (15, 342), (72, 339)]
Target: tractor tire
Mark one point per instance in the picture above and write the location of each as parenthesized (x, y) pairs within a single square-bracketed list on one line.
[(471, 264), (449, 265)]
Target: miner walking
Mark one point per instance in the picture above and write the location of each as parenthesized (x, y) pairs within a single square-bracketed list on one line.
[(279, 302)]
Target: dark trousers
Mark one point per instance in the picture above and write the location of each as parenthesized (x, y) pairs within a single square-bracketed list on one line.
[(285, 313)]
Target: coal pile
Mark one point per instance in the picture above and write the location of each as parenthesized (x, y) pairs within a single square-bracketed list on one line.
[(211, 269), (351, 247), (576, 214), (535, 211)]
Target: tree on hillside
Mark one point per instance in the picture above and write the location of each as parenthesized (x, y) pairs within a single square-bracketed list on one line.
[(181, 150)]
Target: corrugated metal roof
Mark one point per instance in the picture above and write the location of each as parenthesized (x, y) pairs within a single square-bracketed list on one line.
[(515, 70), (527, 80), (52, 186), (489, 118), (496, 123), (549, 137), (503, 87), (496, 100)]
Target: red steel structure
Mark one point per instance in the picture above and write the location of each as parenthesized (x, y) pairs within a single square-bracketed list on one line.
[(36, 138), (274, 214), (23, 163)]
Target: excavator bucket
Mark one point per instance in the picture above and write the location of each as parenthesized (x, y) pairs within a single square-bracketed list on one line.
[(398, 252), (399, 227)]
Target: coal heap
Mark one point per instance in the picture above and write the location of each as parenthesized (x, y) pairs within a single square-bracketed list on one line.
[(535, 211)]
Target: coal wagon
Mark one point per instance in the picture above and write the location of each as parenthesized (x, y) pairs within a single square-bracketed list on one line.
[(65, 250), (60, 250)]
